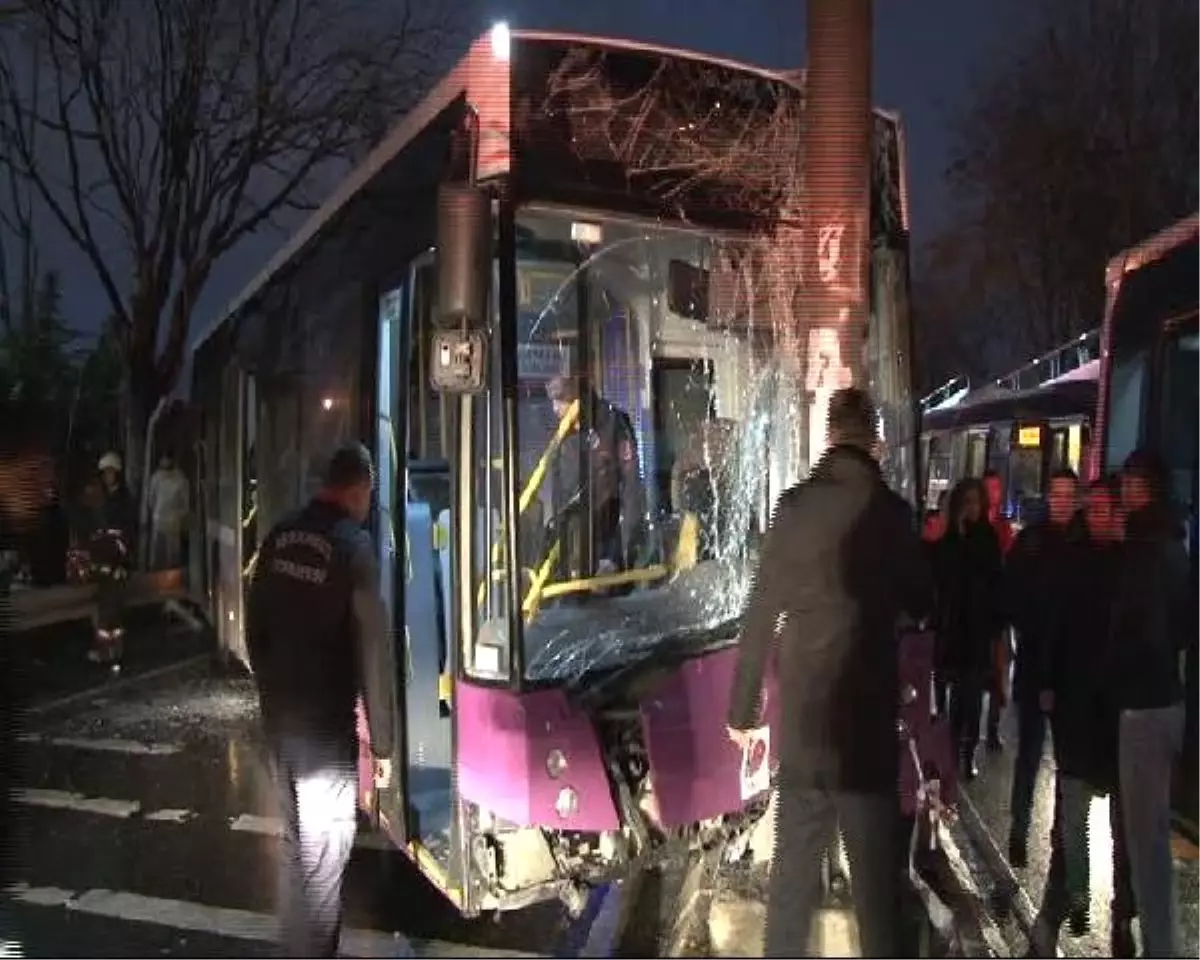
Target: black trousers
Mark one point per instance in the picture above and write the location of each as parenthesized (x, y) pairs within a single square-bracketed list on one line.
[(807, 821), (966, 690), (1031, 743)]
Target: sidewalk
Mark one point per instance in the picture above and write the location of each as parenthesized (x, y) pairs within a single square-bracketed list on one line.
[(989, 800)]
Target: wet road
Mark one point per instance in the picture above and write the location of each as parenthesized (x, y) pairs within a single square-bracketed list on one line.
[(52, 661), (147, 828), (989, 797)]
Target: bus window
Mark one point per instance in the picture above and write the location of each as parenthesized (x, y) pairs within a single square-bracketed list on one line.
[(426, 407), (1126, 401), (937, 469), (1059, 452), (1025, 477), (976, 454), (683, 404), (1180, 399)]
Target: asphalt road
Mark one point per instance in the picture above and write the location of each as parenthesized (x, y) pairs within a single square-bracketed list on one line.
[(989, 806), (147, 827)]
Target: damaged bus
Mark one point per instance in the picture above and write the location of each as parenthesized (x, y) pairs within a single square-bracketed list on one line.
[(558, 210)]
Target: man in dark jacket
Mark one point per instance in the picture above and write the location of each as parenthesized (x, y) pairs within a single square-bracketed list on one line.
[(1032, 572), (317, 635), (839, 566), (1075, 697), (1149, 632), (596, 487)]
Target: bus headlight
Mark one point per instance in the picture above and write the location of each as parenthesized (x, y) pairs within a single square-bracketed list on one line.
[(567, 803), (556, 764)]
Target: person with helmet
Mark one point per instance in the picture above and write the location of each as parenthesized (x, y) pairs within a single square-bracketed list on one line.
[(113, 533)]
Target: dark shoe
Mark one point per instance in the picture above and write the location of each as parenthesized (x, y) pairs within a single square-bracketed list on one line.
[(970, 766), (1018, 852), (994, 743), (1079, 920), (1043, 939)]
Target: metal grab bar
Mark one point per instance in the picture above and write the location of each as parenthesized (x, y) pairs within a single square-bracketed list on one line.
[(532, 486)]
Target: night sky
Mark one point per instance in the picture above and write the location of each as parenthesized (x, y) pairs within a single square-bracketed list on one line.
[(925, 54)]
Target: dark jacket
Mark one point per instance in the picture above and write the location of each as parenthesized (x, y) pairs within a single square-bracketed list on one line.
[(609, 454), (112, 531), (1151, 612), (317, 630), (1031, 596), (968, 574), (840, 564), (1083, 720)]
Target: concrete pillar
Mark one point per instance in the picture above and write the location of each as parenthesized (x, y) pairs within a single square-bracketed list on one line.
[(837, 169)]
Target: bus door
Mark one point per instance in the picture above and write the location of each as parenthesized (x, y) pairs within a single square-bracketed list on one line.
[(1027, 467), (248, 509), (976, 452), (1176, 392), (230, 502), (412, 510)]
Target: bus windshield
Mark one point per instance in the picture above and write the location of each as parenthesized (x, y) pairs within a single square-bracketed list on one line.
[(648, 449)]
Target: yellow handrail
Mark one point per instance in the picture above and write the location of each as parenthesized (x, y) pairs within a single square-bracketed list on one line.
[(641, 575), (565, 426), (533, 598)]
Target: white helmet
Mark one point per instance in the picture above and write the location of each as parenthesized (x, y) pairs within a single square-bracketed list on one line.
[(110, 461)]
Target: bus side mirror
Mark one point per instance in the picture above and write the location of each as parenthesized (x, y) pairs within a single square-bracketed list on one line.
[(464, 233)]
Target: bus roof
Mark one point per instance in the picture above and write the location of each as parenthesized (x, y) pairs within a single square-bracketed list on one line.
[(1060, 400), (1152, 248), (471, 70)]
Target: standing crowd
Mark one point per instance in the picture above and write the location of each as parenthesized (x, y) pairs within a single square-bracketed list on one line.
[(1092, 600), (1096, 593)]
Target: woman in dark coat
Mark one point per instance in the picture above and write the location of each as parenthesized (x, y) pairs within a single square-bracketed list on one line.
[(968, 567)]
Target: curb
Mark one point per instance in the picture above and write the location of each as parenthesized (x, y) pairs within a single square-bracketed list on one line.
[(109, 687), (1009, 886)]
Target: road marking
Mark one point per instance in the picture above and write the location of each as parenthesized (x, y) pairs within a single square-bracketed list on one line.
[(62, 800), (124, 809), (169, 815), (235, 924), (116, 745)]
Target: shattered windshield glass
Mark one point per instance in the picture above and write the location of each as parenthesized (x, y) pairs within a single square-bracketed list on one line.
[(655, 430)]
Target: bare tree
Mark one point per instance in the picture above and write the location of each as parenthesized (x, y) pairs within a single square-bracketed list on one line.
[(1079, 141), (167, 131)]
